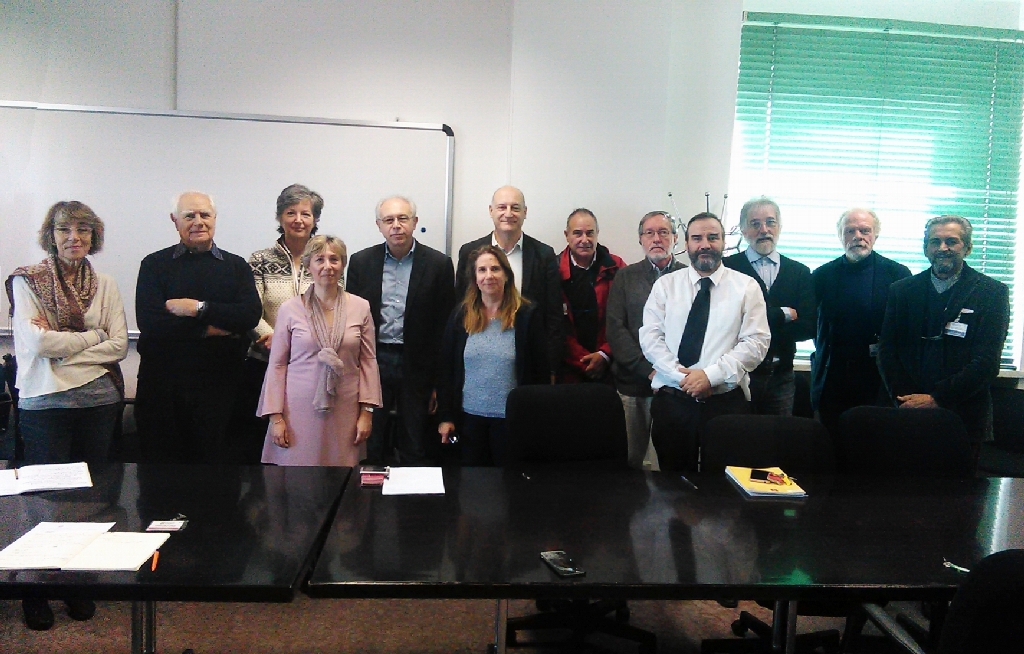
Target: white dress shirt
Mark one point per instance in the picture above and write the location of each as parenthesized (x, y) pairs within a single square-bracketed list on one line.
[(515, 259), (737, 337)]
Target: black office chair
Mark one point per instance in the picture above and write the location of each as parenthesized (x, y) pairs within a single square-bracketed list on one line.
[(798, 446), (985, 613), (581, 427), (887, 441), (1004, 456)]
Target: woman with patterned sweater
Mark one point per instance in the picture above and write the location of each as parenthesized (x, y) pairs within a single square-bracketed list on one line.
[(280, 276)]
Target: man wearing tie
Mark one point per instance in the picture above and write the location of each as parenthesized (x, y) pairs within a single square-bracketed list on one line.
[(789, 294), (411, 291), (533, 264), (705, 328)]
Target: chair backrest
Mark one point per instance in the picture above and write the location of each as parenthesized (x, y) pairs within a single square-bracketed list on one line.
[(797, 445), (1008, 418), (890, 441), (568, 425), (986, 612)]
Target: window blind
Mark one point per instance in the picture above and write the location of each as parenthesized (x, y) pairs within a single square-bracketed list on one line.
[(912, 120)]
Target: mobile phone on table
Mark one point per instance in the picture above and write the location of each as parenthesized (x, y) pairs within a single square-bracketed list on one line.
[(561, 563), (759, 475)]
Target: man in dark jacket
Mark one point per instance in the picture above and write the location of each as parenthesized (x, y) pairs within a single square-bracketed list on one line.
[(944, 330), (411, 291), (587, 269), (533, 263), (851, 293), (623, 320), (788, 292)]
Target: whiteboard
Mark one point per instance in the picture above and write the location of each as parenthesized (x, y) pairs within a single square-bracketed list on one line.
[(128, 166)]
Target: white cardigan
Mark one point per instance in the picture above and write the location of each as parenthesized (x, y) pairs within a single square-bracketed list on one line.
[(50, 361)]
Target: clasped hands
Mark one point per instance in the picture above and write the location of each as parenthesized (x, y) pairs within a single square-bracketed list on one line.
[(188, 308), (695, 384)]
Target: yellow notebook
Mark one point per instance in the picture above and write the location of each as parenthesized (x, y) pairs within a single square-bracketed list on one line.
[(766, 488)]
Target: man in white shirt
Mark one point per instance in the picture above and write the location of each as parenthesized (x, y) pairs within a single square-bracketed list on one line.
[(705, 328), (533, 264)]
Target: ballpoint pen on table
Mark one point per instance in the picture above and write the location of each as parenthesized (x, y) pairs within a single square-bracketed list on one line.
[(688, 482), (156, 558)]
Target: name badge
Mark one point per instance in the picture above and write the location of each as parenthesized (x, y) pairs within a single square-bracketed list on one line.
[(958, 329)]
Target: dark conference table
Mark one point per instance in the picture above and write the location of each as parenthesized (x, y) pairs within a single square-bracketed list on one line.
[(649, 536), (252, 536)]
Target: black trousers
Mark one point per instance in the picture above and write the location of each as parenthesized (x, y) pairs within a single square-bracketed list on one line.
[(409, 403), (183, 408), (677, 420)]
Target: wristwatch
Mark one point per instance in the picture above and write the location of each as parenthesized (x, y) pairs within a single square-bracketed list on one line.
[(200, 307), (368, 409)]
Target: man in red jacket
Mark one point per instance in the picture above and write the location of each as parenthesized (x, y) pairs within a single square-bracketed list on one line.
[(587, 269)]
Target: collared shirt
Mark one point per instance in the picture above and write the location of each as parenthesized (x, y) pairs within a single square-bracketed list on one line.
[(664, 269), (766, 267), (393, 294), (181, 249), (943, 285), (737, 336), (515, 259)]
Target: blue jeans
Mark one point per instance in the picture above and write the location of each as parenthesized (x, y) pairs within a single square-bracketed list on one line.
[(65, 435)]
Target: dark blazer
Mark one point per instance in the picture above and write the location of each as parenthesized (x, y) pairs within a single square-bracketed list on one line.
[(531, 362), (829, 297), (969, 364), (793, 288), (541, 285), (427, 306)]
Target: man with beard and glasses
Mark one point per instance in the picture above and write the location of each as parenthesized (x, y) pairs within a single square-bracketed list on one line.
[(789, 293), (943, 333), (851, 292), (705, 328)]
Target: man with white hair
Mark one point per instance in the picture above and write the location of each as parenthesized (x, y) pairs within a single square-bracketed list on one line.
[(944, 330), (195, 305), (851, 293)]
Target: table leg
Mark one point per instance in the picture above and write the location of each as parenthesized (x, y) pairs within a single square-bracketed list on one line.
[(779, 625), (500, 625), (144, 627), (791, 614)]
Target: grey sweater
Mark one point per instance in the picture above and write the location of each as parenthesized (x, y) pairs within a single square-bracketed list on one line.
[(623, 319)]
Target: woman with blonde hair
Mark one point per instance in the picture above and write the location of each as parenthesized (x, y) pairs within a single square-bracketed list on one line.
[(322, 382), (494, 342)]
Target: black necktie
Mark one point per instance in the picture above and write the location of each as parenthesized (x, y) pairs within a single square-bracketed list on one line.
[(696, 325)]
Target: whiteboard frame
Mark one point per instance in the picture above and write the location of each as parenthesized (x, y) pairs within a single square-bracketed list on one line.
[(270, 118)]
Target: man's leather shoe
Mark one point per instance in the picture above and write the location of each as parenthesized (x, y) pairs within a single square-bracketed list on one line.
[(38, 615), (80, 609)]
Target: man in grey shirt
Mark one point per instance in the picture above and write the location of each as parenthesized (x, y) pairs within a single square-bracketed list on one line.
[(623, 319)]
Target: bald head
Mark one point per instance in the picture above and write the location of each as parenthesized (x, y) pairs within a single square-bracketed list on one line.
[(508, 212)]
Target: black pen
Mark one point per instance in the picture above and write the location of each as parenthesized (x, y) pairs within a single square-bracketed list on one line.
[(688, 482)]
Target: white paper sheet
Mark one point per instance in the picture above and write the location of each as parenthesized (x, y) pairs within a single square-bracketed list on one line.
[(52, 476), (50, 545), (414, 481), (117, 550)]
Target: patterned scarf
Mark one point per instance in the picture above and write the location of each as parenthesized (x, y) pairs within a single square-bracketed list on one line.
[(69, 302), (329, 340)]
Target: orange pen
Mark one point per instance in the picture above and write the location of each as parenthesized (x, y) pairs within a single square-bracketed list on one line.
[(156, 558)]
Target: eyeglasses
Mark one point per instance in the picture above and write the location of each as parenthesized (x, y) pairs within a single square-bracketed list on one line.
[(771, 223), (65, 230), (391, 220), (651, 233)]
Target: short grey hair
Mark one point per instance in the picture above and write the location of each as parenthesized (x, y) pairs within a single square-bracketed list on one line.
[(318, 244), (177, 200), (763, 201), (582, 211), (965, 227), (651, 214), (296, 193), (842, 220), (380, 205)]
